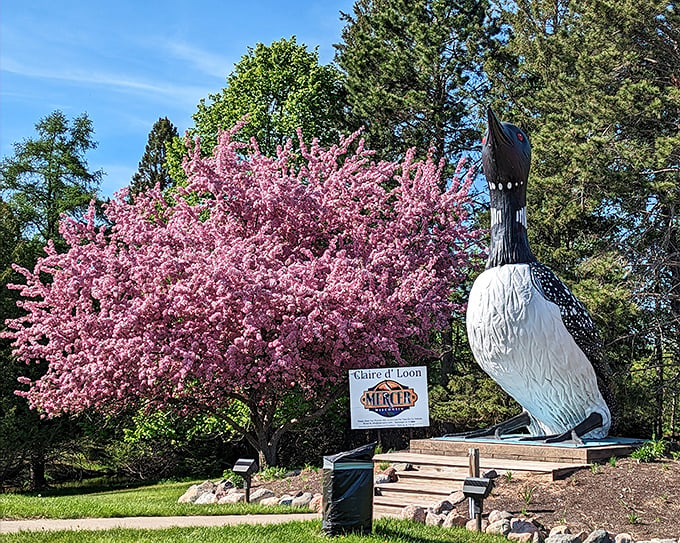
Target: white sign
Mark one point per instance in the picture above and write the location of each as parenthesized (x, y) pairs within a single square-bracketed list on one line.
[(389, 398)]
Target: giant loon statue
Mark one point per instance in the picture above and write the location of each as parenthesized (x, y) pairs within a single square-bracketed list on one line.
[(525, 327)]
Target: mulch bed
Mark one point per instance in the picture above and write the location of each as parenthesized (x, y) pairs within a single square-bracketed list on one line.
[(642, 499)]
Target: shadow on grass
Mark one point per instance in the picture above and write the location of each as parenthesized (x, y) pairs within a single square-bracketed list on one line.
[(94, 486)]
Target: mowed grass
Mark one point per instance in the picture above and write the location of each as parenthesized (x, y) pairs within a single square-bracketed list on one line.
[(155, 500), (384, 531)]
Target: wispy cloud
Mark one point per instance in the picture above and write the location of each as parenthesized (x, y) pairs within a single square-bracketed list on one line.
[(123, 83), (201, 60)]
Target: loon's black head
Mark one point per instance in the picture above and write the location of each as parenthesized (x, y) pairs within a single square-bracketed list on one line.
[(506, 154), (506, 157)]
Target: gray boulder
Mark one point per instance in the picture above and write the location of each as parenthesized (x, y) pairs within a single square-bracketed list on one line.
[(302, 500), (499, 527), (599, 536), (414, 513), (260, 494), (206, 498)]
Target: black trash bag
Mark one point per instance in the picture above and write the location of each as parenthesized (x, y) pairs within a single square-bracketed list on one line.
[(348, 491)]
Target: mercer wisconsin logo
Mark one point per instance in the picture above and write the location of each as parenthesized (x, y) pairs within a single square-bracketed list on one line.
[(388, 398)]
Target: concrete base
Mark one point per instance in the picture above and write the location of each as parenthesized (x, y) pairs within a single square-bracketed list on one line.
[(512, 449)]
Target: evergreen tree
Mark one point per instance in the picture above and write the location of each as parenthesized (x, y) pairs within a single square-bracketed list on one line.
[(414, 72), (153, 169), (48, 175), (45, 177), (593, 83)]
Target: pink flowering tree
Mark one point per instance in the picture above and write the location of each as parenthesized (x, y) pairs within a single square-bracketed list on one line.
[(261, 278)]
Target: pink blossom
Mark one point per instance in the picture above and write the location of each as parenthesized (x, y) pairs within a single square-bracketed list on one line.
[(262, 274)]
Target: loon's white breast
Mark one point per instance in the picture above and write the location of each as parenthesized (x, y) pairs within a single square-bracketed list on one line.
[(519, 339)]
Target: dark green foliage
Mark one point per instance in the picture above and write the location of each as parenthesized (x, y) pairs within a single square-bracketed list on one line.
[(45, 177), (48, 175), (414, 73), (594, 84), (470, 402), (153, 169)]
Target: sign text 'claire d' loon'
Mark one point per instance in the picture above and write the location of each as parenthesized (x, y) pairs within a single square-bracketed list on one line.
[(389, 397)]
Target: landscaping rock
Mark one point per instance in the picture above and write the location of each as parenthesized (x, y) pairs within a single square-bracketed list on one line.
[(623, 538), (561, 529), (598, 536), (317, 503), (191, 495), (260, 494), (208, 486), (521, 526), (454, 520), (563, 538), (400, 466), (457, 497), (443, 506), (499, 527), (491, 474), (414, 513), (392, 474), (233, 497), (471, 525), (206, 498), (302, 500), (497, 515), (270, 501), (222, 488), (433, 519), (286, 499), (382, 479), (521, 537)]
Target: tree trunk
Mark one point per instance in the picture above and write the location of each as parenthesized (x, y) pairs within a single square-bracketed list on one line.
[(447, 355), (37, 467)]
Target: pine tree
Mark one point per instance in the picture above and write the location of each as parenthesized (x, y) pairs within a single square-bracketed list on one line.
[(46, 176), (414, 73), (594, 84), (153, 169)]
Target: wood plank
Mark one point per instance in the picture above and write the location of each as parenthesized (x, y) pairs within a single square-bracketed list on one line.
[(462, 462), (419, 487)]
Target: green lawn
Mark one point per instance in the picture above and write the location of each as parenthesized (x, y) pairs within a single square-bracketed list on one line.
[(385, 531), (144, 501)]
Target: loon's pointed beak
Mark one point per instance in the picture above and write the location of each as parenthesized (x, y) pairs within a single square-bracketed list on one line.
[(495, 131)]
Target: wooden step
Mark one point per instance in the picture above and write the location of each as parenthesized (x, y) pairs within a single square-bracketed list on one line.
[(438, 489), (433, 462), (427, 476), (402, 500)]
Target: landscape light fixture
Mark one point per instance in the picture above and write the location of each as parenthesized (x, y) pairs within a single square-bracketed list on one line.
[(245, 467), (477, 488)]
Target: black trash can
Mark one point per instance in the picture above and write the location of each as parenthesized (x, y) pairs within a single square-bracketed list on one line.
[(348, 491)]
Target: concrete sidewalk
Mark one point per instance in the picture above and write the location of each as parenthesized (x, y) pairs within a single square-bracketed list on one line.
[(12, 526)]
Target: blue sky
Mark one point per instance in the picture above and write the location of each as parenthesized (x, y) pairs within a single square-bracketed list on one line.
[(127, 63)]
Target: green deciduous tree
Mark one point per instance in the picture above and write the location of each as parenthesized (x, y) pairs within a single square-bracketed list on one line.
[(279, 88), (414, 72), (153, 168)]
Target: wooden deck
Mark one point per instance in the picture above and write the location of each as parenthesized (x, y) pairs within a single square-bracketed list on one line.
[(525, 451)]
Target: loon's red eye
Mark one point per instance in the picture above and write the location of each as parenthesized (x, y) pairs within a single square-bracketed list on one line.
[(520, 136)]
